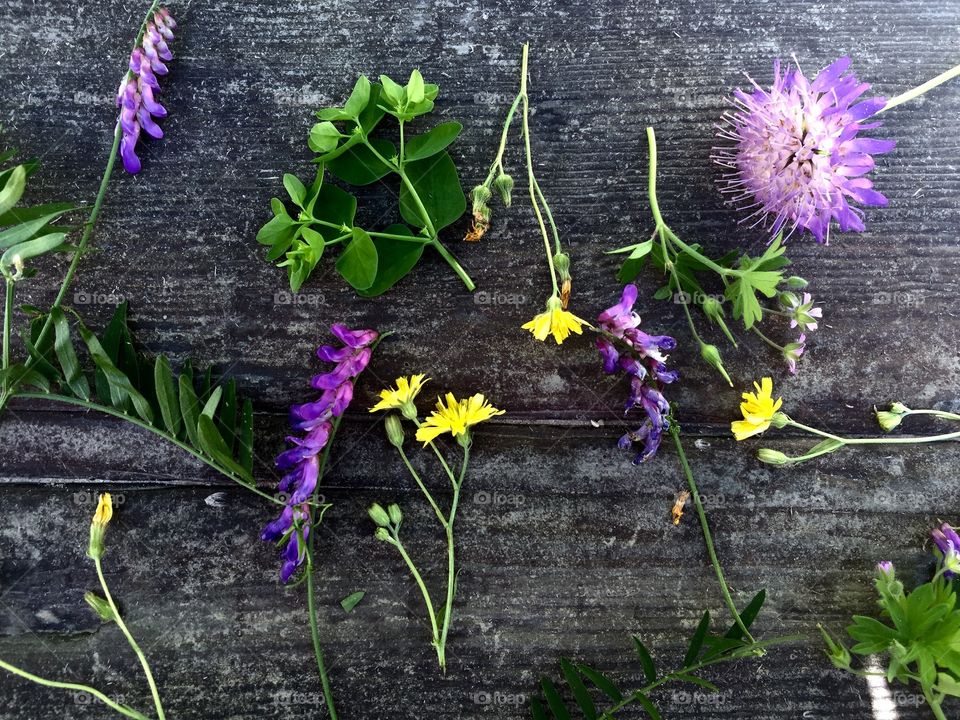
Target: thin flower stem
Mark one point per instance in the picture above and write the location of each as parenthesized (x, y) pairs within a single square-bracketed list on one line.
[(89, 225), (418, 578), (920, 89), (936, 413), (531, 179), (497, 163), (451, 560), (768, 341), (886, 440), (550, 221), (436, 451), (707, 536), (122, 709), (934, 705), (7, 318), (402, 238), (86, 404), (315, 635), (423, 488), (118, 619)]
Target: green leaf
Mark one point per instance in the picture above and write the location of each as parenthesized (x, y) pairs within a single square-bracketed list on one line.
[(13, 190), (432, 142), (351, 600), (395, 94), (662, 293), (245, 451), (336, 206), (18, 374), (584, 701), (747, 616), (686, 677), (358, 98), (696, 642), (323, 137), (278, 228), (189, 408), (213, 445), (415, 89), (22, 215), (358, 165), (227, 417), (648, 706), (26, 230), (210, 407), (116, 379), (42, 355), (537, 709), (358, 262), (554, 702), (295, 189), (68, 356), (166, 395), (604, 683), (395, 259), (436, 182), (32, 248), (646, 661)]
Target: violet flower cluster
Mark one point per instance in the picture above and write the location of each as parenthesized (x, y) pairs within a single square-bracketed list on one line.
[(797, 160), (301, 463), (643, 361), (948, 543), (135, 98)]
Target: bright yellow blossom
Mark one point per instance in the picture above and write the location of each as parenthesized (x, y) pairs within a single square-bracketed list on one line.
[(758, 410), (456, 417), (104, 510), (555, 321), (407, 389)]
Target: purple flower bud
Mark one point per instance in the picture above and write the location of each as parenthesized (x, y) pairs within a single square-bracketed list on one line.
[(609, 355), (353, 338)]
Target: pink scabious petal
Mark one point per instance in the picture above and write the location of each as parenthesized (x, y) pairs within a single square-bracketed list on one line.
[(796, 161)]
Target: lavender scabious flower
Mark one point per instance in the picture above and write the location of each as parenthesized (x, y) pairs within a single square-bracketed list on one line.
[(948, 543), (797, 160), (135, 98), (301, 463), (644, 363)]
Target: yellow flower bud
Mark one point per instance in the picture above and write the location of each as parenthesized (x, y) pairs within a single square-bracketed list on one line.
[(98, 526)]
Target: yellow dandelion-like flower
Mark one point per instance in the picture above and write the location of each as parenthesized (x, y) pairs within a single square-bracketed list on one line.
[(407, 389), (758, 410), (104, 510), (555, 321), (456, 416)]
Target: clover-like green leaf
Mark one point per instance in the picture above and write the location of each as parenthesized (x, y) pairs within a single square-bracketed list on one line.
[(432, 142), (358, 261), (395, 259)]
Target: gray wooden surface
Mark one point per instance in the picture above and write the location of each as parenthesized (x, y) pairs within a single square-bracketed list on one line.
[(576, 550)]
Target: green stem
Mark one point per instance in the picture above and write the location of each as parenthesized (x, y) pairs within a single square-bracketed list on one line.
[(497, 163), (118, 619), (423, 488), (315, 635), (402, 238), (7, 318), (936, 413), (757, 647), (122, 709), (431, 614), (421, 208), (768, 341), (920, 89), (934, 705), (451, 560), (885, 440), (436, 451), (156, 431), (88, 227), (531, 179), (707, 536), (550, 221)]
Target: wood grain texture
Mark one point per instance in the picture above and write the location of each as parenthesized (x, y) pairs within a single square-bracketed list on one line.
[(566, 547)]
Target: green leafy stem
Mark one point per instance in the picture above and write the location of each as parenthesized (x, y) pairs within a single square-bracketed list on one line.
[(744, 278), (430, 195), (704, 650)]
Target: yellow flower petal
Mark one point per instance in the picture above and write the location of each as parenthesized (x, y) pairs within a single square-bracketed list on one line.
[(456, 416), (757, 409), (104, 510), (407, 390), (556, 321)]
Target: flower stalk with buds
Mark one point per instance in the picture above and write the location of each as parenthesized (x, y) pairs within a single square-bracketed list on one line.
[(452, 416)]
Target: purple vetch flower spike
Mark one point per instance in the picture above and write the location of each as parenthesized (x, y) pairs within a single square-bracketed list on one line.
[(797, 160), (138, 106), (642, 359), (301, 463)]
